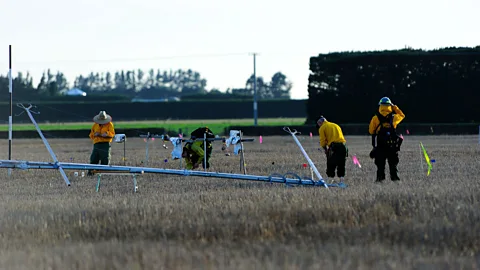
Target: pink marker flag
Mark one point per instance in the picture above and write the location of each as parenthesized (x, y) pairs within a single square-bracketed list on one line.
[(401, 136), (311, 135), (261, 139), (180, 136), (355, 161), (408, 132), (153, 139)]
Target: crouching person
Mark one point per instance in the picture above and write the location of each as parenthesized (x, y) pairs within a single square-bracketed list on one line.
[(194, 153), (101, 134)]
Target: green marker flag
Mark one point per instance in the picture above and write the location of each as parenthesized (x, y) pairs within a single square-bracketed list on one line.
[(427, 159)]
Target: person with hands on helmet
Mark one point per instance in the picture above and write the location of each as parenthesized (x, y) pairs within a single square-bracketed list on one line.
[(385, 140)]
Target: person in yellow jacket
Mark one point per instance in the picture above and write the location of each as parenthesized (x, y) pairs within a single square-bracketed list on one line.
[(334, 145), (101, 134), (385, 140), (194, 153)]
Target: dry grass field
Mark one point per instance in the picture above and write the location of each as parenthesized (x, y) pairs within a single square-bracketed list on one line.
[(177, 222)]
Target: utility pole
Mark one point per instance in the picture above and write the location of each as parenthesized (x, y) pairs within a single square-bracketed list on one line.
[(10, 120), (255, 106)]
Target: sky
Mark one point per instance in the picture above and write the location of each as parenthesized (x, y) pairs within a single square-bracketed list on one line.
[(217, 37)]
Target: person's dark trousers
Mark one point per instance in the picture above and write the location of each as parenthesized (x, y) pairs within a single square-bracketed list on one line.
[(209, 155), (101, 153), (336, 159), (390, 155)]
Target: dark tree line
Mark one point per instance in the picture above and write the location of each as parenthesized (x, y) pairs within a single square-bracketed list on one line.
[(152, 84), (429, 86), (278, 88)]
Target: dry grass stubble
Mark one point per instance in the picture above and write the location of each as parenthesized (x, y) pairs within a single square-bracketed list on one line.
[(191, 222)]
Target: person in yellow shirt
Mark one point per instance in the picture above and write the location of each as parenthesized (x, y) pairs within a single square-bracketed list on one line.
[(385, 140), (334, 145), (193, 152), (101, 134)]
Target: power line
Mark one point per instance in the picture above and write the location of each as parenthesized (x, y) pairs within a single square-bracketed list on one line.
[(110, 60), (255, 105)]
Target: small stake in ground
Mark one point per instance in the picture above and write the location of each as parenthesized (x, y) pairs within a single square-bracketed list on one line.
[(134, 177)]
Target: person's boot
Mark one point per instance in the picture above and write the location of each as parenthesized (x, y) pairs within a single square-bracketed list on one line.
[(208, 164), (380, 176), (394, 174), (394, 177)]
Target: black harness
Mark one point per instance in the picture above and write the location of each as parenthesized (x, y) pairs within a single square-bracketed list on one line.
[(386, 137)]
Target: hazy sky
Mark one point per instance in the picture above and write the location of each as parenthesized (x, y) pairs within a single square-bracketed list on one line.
[(77, 37)]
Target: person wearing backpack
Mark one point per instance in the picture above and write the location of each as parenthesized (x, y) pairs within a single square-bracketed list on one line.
[(385, 140), (334, 145), (193, 152)]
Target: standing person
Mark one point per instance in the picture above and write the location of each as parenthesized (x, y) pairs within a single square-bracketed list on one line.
[(101, 134), (385, 140), (334, 145)]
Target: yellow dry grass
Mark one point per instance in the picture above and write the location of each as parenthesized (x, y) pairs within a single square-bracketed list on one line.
[(177, 222)]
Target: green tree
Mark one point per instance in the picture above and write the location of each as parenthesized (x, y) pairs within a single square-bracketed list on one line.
[(52, 88), (50, 77), (409, 77), (108, 82), (263, 90), (140, 83), (150, 82), (130, 81), (280, 87), (61, 81), (119, 79), (42, 85)]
